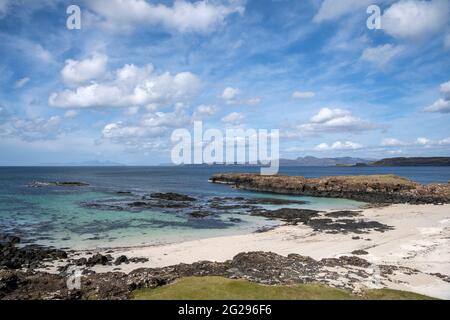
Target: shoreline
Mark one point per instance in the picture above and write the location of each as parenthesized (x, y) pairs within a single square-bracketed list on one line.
[(419, 241)]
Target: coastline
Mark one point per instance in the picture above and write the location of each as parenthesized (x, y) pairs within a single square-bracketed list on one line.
[(418, 241)]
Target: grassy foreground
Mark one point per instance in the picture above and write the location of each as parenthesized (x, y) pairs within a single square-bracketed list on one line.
[(218, 288)]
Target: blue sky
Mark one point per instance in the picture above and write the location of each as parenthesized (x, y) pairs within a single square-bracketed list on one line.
[(116, 89)]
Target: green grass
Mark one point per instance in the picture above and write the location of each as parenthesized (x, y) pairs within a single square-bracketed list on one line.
[(218, 288)]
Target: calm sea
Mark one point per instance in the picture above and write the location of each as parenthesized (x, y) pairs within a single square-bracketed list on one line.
[(55, 216)]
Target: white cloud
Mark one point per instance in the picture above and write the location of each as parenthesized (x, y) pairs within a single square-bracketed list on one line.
[(326, 114), (183, 16), (415, 18), (392, 142), (78, 72), (33, 129), (303, 95), (332, 120), (445, 141), (423, 141), (445, 87), (230, 94), (21, 82), (441, 105), (144, 133), (339, 145), (382, 54), (332, 9), (253, 101), (394, 152), (130, 86), (234, 118), (70, 114), (204, 111)]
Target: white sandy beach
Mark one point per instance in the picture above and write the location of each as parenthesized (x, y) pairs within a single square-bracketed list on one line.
[(420, 240)]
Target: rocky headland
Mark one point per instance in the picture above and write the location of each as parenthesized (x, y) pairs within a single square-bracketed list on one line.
[(388, 189)]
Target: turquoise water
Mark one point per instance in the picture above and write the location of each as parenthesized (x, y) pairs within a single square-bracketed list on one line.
[(55, 216)]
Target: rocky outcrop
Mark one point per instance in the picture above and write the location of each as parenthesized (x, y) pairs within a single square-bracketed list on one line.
[(373, 189), (331, 222), (30, 256), (40, 184), (170, 196), (261, 267)]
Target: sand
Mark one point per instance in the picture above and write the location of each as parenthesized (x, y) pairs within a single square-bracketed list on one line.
[(420, 240)]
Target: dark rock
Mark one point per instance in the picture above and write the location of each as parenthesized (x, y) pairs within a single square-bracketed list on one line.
[(98, 259), (30, 256), (347, 226), (40, 184), (170, 196), (126, 193), (120, 260), (289, 215), (271, 201), (360, 252), (200, 214), (343, 214), (138, 260)]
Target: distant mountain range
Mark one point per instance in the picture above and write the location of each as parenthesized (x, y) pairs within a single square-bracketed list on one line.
[(416, 161), (92, 163), (309, 161)]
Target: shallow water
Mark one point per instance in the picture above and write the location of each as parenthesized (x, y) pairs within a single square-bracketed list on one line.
[(54, 215)]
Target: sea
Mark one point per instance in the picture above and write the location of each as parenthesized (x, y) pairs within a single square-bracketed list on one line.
[(57, 216)]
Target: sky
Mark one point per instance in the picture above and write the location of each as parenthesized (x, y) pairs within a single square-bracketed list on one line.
[(137, 70)]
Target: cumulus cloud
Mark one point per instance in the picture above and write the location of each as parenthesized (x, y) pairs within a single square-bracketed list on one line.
[(303, 95), (423, 141), (230, 94), (392, 142), (415, 19), (130, 86), (204, 111), (77, 72), (441, 105), (445, 87), (381, 55), (234, 118), (331, 9), (150, 127), (21, 82), (331, 120), (183, 16), (339, 145)]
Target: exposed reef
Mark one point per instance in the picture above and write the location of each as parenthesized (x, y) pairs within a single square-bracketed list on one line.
[(373, 189), (41, 184), (260, 267)]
